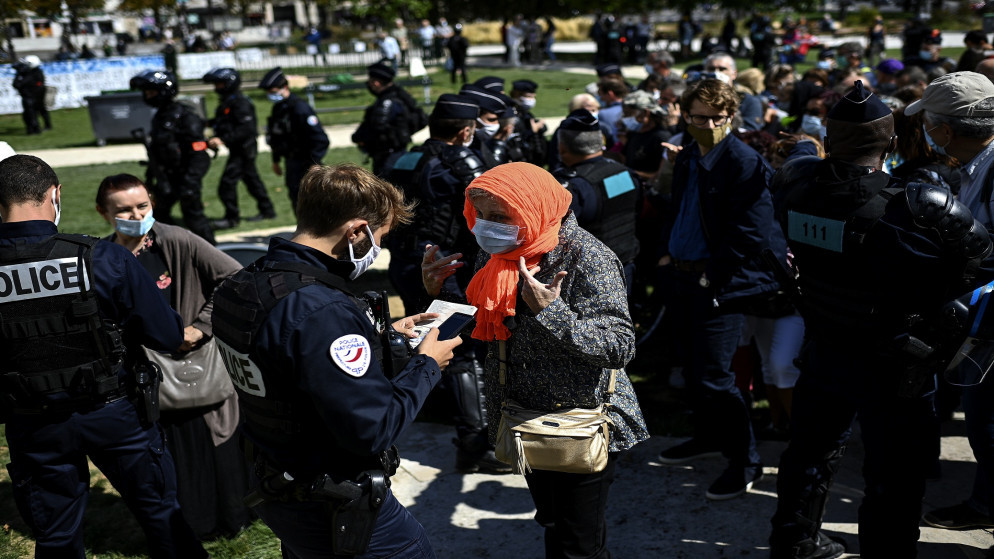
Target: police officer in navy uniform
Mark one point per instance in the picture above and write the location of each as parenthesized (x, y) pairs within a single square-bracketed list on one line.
[(235, 126), (321, 409), (177, 152), (75, 311), (436, 175), (494, 126), (606, 194), (293, 131), (29, 82), (876, 261), (389, 122), (530, 130)]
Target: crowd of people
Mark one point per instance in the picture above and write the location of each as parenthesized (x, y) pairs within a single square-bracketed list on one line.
[(778, 216)]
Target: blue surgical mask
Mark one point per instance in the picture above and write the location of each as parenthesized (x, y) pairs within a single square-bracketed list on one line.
[(133, 227), (925, 54), (364, 263), (496, 238), (824, 65), (528, 103), (649, 69), (811, 125), (631, 124), (941, 150), (275, 97)]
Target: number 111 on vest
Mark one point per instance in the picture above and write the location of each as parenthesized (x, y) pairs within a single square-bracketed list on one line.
[(816, 231)]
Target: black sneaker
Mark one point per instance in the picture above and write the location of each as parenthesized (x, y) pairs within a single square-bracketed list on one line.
[(687, 452), (734, 482), (819, 547), (958, 517), (224, 223), (260, 217)]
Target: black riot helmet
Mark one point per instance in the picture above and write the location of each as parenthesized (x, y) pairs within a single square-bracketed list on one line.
[(163, 82), (227, 78)]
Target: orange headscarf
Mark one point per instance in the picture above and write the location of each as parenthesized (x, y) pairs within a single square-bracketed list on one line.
[(536, 202)]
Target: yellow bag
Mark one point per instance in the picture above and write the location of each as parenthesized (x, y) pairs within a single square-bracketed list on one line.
[(573, 440)]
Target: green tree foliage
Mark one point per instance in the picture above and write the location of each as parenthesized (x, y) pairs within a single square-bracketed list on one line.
[(11, 9), (159, 8)]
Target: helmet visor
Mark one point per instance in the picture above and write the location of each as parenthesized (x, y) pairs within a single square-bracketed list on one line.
[(972, 362)]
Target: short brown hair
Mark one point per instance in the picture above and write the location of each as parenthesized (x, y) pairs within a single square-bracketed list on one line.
[(615, 86), (712, 92), (330, 196), (116, 183)]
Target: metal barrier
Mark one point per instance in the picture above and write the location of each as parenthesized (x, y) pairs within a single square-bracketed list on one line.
[(425, 82)]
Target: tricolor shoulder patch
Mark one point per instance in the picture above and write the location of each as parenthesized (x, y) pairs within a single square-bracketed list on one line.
[(313, 120), (352, 354)]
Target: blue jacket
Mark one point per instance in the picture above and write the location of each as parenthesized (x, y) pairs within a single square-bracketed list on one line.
[(126, 295), (737, 217)]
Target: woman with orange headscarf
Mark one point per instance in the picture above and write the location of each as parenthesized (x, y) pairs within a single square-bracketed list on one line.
[(555, 296)]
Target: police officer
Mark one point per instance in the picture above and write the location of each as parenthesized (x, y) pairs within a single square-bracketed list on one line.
[(530, 131), (436, 175), (606, 195), (235, 126), (874, 339), (494, 126), (177, 152), (321, 412), (29, 81), (293, 131), (75, 311), (390, 121)]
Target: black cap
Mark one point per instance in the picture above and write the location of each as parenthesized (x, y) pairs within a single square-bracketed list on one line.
[(975, 36), (382, 71), (581, 120), (934, 37), (273, 78), (859, 106), (450, 105), (524, 86), (490, 83), (488, 101), (608, 70)]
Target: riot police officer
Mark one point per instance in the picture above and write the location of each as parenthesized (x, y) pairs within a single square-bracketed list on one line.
[(530, 130), (75, 311), (177, 152), (606, 194), (29, 81), (389, 122), (321, 410), (494, 126), (874, 339), (293, 131), (435, 175), (235, 126)]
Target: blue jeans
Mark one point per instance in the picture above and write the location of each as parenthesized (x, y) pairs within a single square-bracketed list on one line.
[(978, 407), (721, 417), (837, 386), (51, 478), (305, 531)]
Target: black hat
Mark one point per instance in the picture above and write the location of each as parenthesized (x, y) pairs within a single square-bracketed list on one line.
[(581, 120), (934, 37), (859, 106), (490, 83), (488, 101), (450, 105), (524, 86), (273, 78), (608, 70), (382, 71), (975, 36)]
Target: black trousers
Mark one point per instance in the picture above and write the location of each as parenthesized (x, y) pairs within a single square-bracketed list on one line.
[(241, 166), (190, 203), (33, 107), (572, 509)]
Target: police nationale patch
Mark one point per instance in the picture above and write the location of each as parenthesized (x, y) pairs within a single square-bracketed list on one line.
[(352, 354), (312, 120)]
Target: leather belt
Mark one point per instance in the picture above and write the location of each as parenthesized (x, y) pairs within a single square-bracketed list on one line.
[(694, 266)]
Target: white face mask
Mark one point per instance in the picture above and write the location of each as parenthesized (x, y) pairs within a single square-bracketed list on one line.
[(275, 97), (496, 238), (594, 114), (58, 209), (528, 103), (363, 264), (811, 125), (134, 228), (488, 130)]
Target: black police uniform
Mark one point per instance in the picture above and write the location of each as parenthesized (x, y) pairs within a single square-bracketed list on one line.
[(64, 387), (876, 262), (387, 125), (533, 145), (317, 404), (235, 123), (30, 84), (294, 133)]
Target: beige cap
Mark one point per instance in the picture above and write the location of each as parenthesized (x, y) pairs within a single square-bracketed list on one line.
[(956, 94)]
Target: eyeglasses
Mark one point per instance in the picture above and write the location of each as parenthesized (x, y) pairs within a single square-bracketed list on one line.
[(702, 120)]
